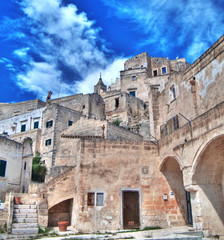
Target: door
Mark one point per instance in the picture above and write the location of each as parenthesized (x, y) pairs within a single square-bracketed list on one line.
[(131, 210)]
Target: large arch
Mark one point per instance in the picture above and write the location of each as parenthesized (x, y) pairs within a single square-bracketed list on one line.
[(171, 169), (208, 174)]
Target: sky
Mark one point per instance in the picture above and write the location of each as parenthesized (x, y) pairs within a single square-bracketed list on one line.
[(63, 45)]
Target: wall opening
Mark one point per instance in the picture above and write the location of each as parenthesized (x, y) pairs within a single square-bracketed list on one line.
[(171, 171), (209, 176), (60, 212)]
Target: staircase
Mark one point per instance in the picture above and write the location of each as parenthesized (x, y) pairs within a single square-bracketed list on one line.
[(25, 222)]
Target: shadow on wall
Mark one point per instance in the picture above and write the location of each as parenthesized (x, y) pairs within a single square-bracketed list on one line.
[(209, 176), (60, 212), (171, 171)]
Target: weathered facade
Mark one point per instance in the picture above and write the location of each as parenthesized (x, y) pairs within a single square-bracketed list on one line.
[(163, 166)]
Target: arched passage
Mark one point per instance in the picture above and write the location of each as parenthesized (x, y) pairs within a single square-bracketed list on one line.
[(173, 174), (209, 176), (60, 212)]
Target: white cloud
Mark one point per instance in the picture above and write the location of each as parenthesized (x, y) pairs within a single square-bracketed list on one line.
[(64, 40), (183, 24), (109, 75), (22, 52)]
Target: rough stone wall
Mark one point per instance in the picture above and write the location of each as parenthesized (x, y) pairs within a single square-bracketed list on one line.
[(142, 60), (179, 64), (60, 116), (13, 125), (8, 110), (34, 134), (137, 84), (197, 90), (110, 167), (158, 63), (90, 105), (92, 127), (11, 152)]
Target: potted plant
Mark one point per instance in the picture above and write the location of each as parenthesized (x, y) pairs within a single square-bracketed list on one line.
[(62, 225), (17, 200)]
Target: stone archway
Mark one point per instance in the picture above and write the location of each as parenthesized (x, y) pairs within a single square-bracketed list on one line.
[(60, 212), (173, 174), (209, 176)]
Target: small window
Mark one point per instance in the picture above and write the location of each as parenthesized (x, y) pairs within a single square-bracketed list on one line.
[(99, 199), (116, 102), (90, 200), (36, 125), (155, 73), (49, 124), (2, 168), (83, 106), (23, 127), (48, 142), (70, 123), (173, 92), (24, 166), (164, 70), (134, 78), (132, 93)]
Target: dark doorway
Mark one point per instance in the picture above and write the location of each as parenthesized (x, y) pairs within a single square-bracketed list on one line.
[(189, 210), (131, 210)]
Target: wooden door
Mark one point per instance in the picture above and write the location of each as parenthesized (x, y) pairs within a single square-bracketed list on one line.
[(131, 210)]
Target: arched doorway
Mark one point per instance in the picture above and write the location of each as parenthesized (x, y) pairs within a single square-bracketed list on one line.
[(173, 174), (209, 176), (60, 212)]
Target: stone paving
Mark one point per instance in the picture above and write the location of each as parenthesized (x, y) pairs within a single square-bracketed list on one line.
[(176, 233)]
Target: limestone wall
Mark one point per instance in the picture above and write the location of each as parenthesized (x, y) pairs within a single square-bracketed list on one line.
[(11, 152), (8, 110), (109, 167), (90, 105), (13, 125)]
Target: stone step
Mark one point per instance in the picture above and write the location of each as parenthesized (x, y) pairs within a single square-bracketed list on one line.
[(25, 210), (25, 206), (24, 225), (25, 220), (22, 215), (24, 231)]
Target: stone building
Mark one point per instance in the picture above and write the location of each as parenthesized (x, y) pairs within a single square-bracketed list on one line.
[(167, 171)]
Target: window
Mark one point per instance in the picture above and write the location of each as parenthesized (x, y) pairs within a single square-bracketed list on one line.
[(70, 123), (2, 168), (134, 78), (48, 142), (49, 124), (116, 102), (90, 200), (164, 70), (83, 106), (132, 93), (23, 127), (173, 92), (99, 199), (24, 166), (36, 125), (170, 126), (155, 73), (95, 199)]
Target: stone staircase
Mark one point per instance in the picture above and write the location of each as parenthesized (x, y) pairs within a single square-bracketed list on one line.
[(25, 222)]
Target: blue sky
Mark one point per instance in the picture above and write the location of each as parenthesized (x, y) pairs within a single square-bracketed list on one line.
[(63, 45)]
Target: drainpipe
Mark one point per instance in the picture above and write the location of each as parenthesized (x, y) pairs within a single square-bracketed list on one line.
[(103, 128), (193, 90)]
